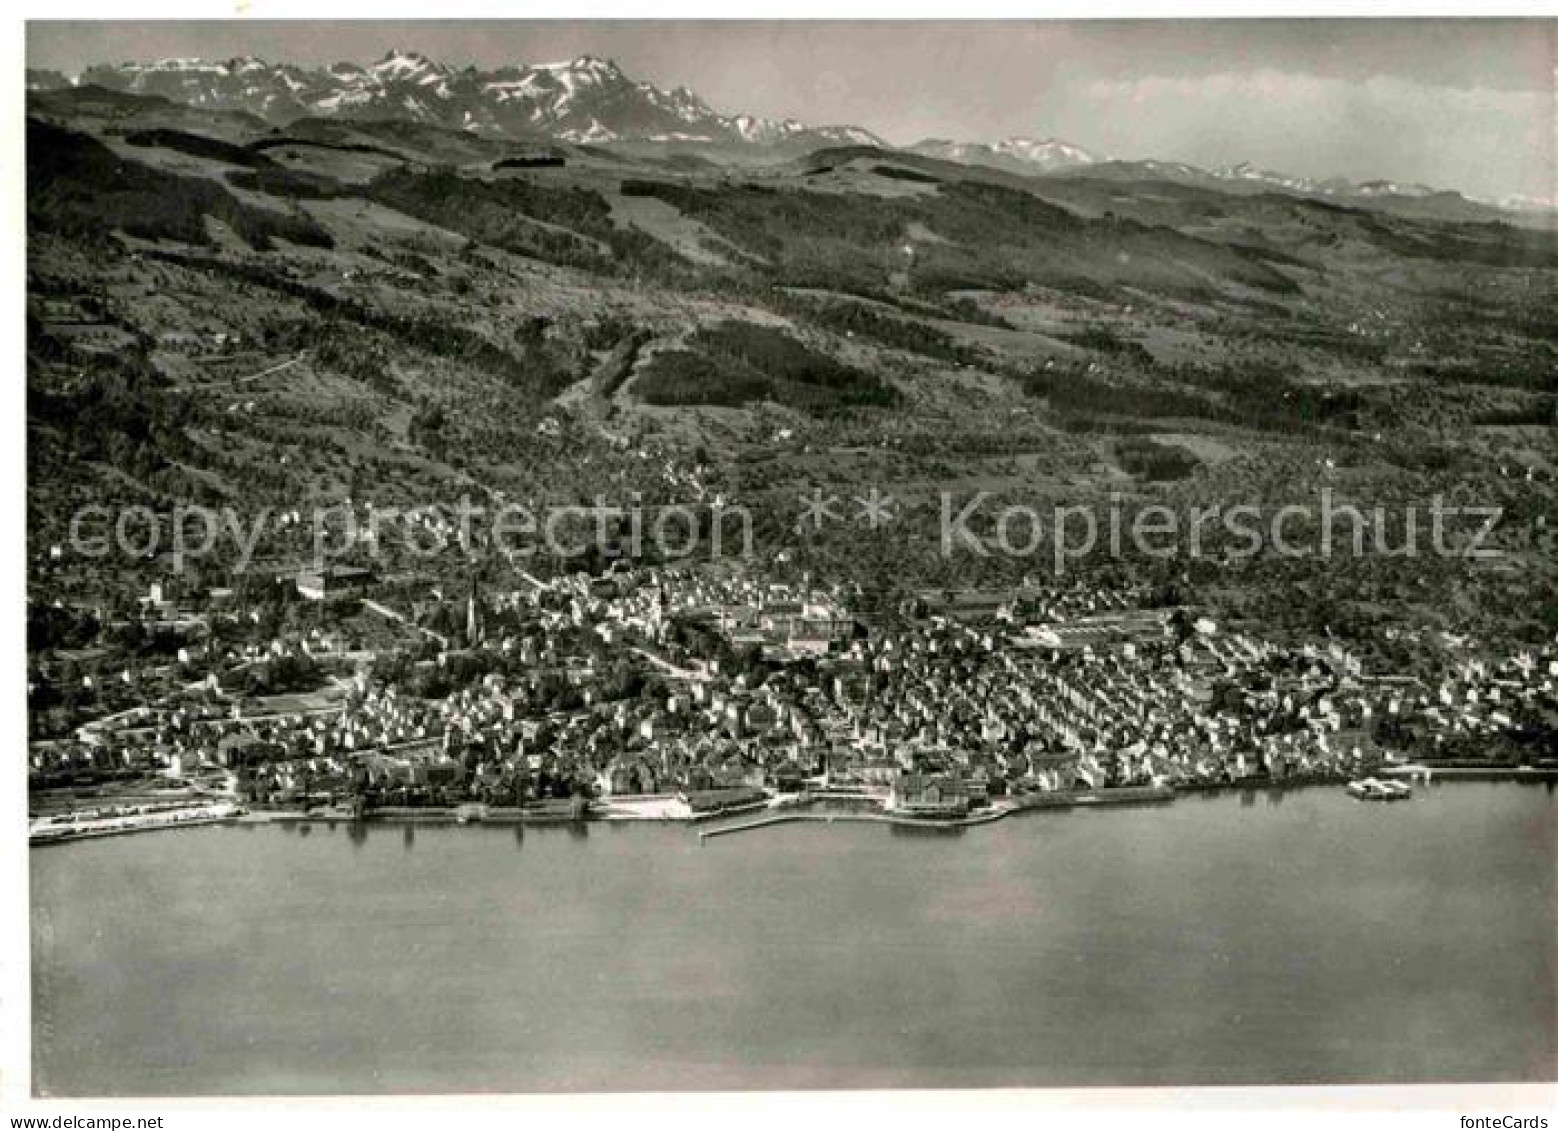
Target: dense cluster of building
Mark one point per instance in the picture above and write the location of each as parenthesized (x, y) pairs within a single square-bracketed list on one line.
[(737, 689)]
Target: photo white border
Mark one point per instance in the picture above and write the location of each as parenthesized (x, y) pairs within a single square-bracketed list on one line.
[(1437, 1106)]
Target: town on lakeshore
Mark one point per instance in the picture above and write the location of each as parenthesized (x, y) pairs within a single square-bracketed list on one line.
[(422, 439), (684, 693)]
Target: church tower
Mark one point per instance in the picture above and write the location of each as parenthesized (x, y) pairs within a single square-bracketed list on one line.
[(472, 618)]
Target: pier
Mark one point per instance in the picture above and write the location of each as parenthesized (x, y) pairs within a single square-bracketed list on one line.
[(881, 818), (1130, 795), (858, 818)]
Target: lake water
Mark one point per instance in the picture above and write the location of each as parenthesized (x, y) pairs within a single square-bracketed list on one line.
[(1232, 939)]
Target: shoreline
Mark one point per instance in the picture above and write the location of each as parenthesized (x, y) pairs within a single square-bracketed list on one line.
[(172, 818), (761, 814)]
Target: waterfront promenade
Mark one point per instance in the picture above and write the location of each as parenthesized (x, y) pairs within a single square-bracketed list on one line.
[(129, 820), (823, 807)]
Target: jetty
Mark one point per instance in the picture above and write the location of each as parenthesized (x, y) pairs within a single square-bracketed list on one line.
[(1137, 795), (856, 818)]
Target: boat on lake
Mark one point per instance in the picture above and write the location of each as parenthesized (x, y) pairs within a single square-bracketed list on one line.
[(1373, 789)]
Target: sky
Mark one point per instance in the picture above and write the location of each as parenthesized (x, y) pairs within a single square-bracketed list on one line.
[(1463, 104)]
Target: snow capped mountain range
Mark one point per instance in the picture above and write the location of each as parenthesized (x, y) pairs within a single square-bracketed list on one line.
[(1024, 155), (1334, 186), (1019, 154), (590, 100), (584, 100)]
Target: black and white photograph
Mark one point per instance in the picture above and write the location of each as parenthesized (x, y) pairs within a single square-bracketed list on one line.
[(603, 556)]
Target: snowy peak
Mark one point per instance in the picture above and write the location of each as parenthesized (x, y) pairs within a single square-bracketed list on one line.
[(586, 69), (406, 66), (1050, 153), (1019, 154), (1244, 171), (1393, 188)]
